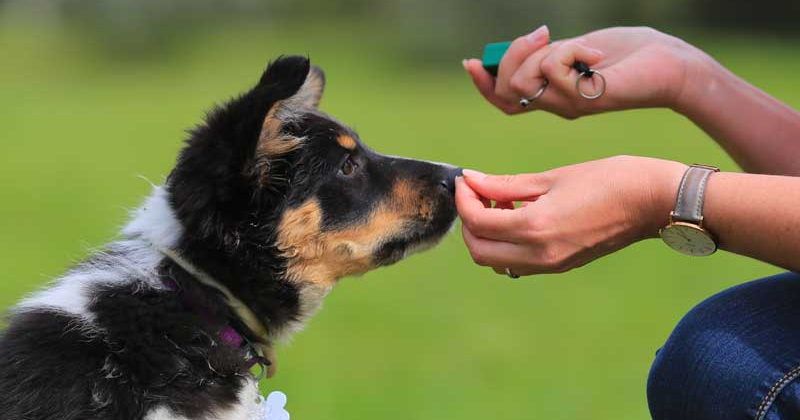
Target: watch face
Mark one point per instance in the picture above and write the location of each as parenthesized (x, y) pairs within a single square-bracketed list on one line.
[(688, 239)]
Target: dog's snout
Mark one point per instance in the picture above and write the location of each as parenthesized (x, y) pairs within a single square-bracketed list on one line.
[(449, 182)]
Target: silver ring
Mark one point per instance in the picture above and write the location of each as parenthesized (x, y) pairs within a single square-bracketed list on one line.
[(525, 102), (510, 274), (589, 75)]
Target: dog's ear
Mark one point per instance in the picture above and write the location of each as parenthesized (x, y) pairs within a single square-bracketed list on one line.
[(301, 83), (307, 83), (293, 80), (310, 93), (243, 139)]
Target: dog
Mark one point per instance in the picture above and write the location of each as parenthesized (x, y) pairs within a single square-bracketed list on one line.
[(270, 203)]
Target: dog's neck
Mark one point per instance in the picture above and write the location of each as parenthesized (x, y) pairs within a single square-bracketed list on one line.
[(243, 311), (280, 306), (262, 351)]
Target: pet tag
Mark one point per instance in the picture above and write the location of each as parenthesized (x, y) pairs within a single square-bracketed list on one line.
[(272, 407)]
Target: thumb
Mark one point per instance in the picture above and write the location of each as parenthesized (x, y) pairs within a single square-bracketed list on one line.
[(505, 188)]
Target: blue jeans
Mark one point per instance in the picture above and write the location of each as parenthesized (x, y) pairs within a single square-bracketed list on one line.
[(734, 356)]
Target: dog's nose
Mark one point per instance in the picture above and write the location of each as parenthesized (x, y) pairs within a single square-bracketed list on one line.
[(450, 180)]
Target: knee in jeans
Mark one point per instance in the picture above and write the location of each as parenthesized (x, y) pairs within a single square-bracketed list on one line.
[(715, 362), (694, 363)]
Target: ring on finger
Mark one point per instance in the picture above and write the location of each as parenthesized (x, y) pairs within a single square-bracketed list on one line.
[(525, 102), (510, 274)]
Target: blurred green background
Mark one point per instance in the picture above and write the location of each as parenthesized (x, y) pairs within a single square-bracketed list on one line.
[(95, 97)]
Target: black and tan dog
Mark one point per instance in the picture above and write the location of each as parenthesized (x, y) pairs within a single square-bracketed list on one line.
[(270, 203)]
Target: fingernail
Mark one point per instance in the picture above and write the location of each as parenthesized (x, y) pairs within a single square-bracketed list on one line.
[(474, 174), (464, 64), (538, 35)]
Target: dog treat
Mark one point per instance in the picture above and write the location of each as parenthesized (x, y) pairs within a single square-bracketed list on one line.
[(492, 54)]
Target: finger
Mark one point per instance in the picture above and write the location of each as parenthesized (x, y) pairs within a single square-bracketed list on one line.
[(516, 54), (484, 82), (499, 255), (557, 67), (485, 201), (528, 78), (507, 188), (490, 223)]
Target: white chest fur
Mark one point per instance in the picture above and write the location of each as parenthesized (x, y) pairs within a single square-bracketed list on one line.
[(247, 408)]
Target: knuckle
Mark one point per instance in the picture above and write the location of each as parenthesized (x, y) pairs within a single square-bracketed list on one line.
[(476, 229), (570, 44), (468, 222), (519, 85), (538, 228), (548, 65), (530, 179), (529, 235), (572, 110), (580, 40), (547, 177), (478, 257), (569, 114), (580, 105), (507, 179), (531, 229), (552, 260)]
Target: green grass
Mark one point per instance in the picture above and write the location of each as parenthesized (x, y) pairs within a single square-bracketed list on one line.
[(433, 337)]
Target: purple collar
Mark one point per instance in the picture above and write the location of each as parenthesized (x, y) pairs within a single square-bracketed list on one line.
[(228, 334), (231, 336)]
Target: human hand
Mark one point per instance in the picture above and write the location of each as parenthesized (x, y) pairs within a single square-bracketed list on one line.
[(642, 67), (568, 216)]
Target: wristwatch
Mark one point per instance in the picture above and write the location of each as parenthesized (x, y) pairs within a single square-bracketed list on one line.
[(685, 232)]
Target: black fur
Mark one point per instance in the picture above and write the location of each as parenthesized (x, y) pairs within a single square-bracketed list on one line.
[(152, 346)]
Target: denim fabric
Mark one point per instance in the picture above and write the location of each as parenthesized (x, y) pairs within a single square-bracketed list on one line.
[(734, 356)]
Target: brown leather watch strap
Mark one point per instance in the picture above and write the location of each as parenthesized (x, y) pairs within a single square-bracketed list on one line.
[(691, 194)]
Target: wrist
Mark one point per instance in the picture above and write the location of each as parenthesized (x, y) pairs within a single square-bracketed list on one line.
[(663, 181), (700, 76)]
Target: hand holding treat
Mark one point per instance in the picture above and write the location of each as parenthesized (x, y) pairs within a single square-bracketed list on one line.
[(572, 215), (567, 216)]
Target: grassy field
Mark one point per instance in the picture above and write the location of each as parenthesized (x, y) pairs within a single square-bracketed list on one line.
[(434, 337)]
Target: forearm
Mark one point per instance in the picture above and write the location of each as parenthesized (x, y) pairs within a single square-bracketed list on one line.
[(756, 215), (760, 132), (753, 215)]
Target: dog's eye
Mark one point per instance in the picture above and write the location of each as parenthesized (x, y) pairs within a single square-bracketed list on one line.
[(348, 167)]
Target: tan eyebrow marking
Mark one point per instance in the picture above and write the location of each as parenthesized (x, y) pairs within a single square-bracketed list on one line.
[(347, 142)]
